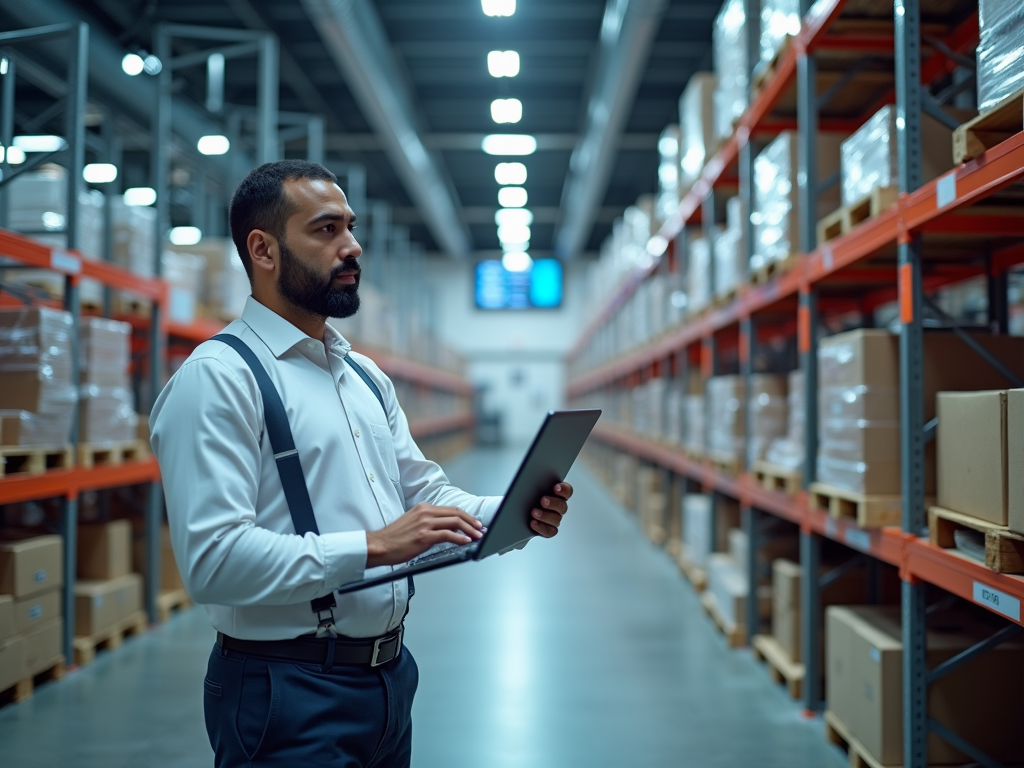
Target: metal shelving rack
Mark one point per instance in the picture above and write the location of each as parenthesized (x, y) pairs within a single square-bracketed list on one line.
[(885, 259), (19, 252)]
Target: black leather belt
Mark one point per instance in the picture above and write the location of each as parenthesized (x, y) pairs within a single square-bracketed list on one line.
[(317, 650)]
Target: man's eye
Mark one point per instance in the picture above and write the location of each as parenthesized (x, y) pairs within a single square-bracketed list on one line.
[(329, 228)]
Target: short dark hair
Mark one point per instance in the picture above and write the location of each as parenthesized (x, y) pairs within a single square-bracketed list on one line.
[(259, 201)]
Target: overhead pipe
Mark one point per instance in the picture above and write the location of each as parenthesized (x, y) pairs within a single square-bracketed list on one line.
[(627, 33), (132, 96), (355, 38)]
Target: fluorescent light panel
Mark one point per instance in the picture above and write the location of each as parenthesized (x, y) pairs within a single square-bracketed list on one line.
[(139, 196), (39, 143), (213, 145), (510, 173), (509, 144), (498, 7), (512, 197), (99, 173), (185, 235), (517, 262), (513, 216), (132, 64), (506, 110), (514, 233), (503, 63)]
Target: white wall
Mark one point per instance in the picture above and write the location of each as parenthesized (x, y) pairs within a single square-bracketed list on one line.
[(519, 355)]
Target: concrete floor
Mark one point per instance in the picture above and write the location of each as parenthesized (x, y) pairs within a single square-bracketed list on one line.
[(586, 650)]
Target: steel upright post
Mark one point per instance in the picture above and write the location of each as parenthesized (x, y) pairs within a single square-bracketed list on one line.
[(6, 126), (749, 514), (907, 17), (266, 103)]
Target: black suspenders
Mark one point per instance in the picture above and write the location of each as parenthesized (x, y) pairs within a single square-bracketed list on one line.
[(286, 456)]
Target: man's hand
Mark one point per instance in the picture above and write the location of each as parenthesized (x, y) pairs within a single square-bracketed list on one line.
[(418, 530), (547, 519)]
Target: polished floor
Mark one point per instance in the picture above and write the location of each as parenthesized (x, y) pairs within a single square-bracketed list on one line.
[(588, 650)]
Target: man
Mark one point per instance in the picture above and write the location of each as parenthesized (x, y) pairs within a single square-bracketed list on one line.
[(288, 686)]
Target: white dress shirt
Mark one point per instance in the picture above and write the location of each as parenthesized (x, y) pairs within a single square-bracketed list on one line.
[(231, 530)]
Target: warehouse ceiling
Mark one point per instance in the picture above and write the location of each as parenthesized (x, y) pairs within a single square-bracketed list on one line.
[(440, 48)]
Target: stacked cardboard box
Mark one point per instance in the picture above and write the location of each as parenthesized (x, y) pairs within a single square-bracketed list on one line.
[(788, 451), (729, 584), (37, 398), (106, 591), (729, 48), (706, 525), (981, 455), (698, 275), (31, 618), (693, 424), (731, 251), (106, 404), (858, 422), (864, 685), (697, 123), (725, 399), (768, 410)]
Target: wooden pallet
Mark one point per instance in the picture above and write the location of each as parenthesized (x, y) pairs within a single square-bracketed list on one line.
[(775, 478), (977, 136), (783, 670), (765, 71), (730, 465), (725, 299), (773, 268), (23, 689), (733, 634), (111, 454), (838, 734), (34, 459), (110, 639), (867, 511), (1004, 550), (696, 575), (169, 601), (846, 218)]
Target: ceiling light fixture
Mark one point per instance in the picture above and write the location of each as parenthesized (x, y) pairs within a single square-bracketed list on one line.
[(152, 65), (498, 7), (509, 144), (139, 196), (515, 247), (503, 63), (506, 110), (132, 64), (15, 156), (517, 262), (510, 173), (39, 143), (513, 233), (512, 197), (99, 173), (505, 216), (213, 145), (185, 235)]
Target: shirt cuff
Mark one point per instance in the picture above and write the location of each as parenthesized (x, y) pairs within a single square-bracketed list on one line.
[(344, 557), (488, 508)]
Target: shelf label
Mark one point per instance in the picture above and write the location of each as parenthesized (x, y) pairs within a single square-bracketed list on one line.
[(831, 528), (858, 539), (826, 257), (945, 190), (1000, 602), (65, 262)]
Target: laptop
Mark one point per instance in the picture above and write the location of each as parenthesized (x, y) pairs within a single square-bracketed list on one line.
[(547, 462)]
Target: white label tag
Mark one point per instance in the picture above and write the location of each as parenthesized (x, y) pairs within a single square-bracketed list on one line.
[(826, 257), (1000, 602), (39, 576), (65, 262), (945, 190), (35, 612), (831, 528), (876, 655), (858, 539)]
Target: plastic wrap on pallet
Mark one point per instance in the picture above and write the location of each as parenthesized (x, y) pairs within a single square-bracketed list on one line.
[(106, 414), (105, 351), (133, 234), (1000, 51), (656, 408), (184, 274), (728, 585), (788, 451), (697, 124), (869, 157), (223, 286), (730, 251), (725, 417), (693, 424), (768, 414), (38, 207), (730, 54), (780, 19), (858, 432), (697, 530), (699, 275), (774, 202), (35, 370), (673, 417)]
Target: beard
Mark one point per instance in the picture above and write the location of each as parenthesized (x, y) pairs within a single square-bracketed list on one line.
[(313, 292)]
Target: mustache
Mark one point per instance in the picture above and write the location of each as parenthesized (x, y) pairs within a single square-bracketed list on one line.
[(348, 267)]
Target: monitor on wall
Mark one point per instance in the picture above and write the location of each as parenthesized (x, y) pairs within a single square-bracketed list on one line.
[(539, 287)]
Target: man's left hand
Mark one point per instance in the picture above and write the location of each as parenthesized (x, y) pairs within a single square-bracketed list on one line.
[(552, 509)]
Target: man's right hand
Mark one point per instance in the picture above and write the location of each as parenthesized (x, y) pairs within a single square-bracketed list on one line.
[(418, 530)]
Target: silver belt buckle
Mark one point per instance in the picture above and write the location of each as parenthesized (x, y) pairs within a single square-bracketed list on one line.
[(397, 637)]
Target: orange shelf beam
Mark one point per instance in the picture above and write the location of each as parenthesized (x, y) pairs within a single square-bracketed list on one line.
[(401, 368), (68, 483)]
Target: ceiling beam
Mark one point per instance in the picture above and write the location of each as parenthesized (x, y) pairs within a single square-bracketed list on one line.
[(354, 36), (470, 142), (627, 32)]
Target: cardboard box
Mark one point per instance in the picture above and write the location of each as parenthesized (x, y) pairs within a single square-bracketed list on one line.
[(99, 605), (29, 566), (105, 352), (12, 662), (972, 468), (31, 612), (44, 645), (8, 627), (104, 549), (983, 701), (859, 400), (728, 584), (1015, 459), (170, 576)]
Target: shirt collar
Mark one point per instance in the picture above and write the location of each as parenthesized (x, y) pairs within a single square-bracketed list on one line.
[(279, 335)]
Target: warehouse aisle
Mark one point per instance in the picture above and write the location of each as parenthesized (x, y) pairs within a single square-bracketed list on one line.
[(587, 650)]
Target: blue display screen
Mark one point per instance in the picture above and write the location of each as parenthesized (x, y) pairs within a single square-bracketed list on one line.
[(539, 287)]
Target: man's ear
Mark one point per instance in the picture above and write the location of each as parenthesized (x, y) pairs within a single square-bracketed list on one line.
[(263, 250)]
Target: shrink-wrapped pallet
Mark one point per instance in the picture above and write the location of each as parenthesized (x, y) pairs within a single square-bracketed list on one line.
[(35, 375), (788, 451), (697, 123), (106, 414), (693, 424), (725, 396), (184, 274), (1000, 51), (104, 351), (780, 20), (730, 251), (699, 275), (729, 47), (768, 411)]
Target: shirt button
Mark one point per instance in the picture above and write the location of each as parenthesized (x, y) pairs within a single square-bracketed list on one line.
[(372, 478), (357, 433)]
